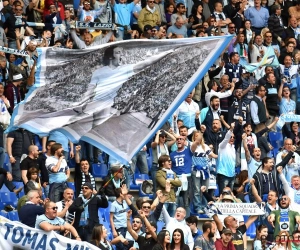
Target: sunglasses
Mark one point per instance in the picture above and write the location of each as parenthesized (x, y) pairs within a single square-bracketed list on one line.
[(154, 31), (284, 199), (54, 208), (18, 9), (136, 221), (179, 139), (148, 207), (85, 188)]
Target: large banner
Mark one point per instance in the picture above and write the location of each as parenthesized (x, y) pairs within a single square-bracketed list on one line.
[(117, 95), (15, 234)]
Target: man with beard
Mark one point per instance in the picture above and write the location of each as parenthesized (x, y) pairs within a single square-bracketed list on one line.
[(291, 190), (211, 113), (284, 219), (238, 109), (271, 205), (58, 171), (225, 243), (206, 240), (296, 240), (148, 241), (86, 210), (272, 97), (267, 179), (237, 231), (250, 147), (214, 135)]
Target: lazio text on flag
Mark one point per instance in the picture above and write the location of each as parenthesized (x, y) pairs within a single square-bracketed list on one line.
[(15, 234), (117, 95)]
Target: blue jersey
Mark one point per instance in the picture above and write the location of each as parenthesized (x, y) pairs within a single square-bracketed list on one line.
[(182, 161)]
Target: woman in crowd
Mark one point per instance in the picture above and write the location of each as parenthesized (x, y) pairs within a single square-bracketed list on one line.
[(260, 241), (282, 241), (165, 177), (242, 185), (178, 240), (163, 241), (99, 235), (197, 15), (170, 11)]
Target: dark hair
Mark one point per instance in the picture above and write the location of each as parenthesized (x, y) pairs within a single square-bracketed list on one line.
[(32, 171), (192, 219), (195, 7), (210, 84), (206, 225), (265, 160), (179, 5), (182, 127), (292, 123), (264, 239), (258, 88), (55, 147), (118, 192), (108, 55), (162, 159), (146, 201), (161, 238), (96, 234), (232, 54), (242, 176), (246, 125), (213, 98), (181, 240)]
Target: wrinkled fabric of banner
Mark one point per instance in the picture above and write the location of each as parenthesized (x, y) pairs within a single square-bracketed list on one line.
[(115, 96), (15, 235)]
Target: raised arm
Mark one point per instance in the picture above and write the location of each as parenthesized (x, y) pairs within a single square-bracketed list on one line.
[(129, 227), (247, 152), (77, 154)]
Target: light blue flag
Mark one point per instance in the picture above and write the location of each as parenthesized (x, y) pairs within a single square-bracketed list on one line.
[(269, 59), (117, 95)]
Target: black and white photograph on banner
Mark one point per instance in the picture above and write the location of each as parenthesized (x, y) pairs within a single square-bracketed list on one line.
[(114, 85)]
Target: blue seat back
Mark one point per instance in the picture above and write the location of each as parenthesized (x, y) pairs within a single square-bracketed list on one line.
[(99, 170), (13, 215)]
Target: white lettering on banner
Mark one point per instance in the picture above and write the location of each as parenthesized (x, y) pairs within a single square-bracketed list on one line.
[(13, 51), (84, 25), (239, 208), (15, 234), (287, 118)]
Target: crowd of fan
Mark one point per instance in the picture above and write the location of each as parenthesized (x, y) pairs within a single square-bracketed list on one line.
[(193, 154)]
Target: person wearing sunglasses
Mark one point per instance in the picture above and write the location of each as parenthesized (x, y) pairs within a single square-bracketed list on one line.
[(51, 222), (86, 210), (284, 219), (85, 14)]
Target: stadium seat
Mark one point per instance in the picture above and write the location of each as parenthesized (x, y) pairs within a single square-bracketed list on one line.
[(275, 152), (103, 213), (276, 139), (109, 233), (13, 215), (99, 170), (9, 198), (3, 213), (71, 163), (37, 142), (4, 189), (72, 185), (150, 159), (18, 185), (251, 231), (160, 225), (6, 163)]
